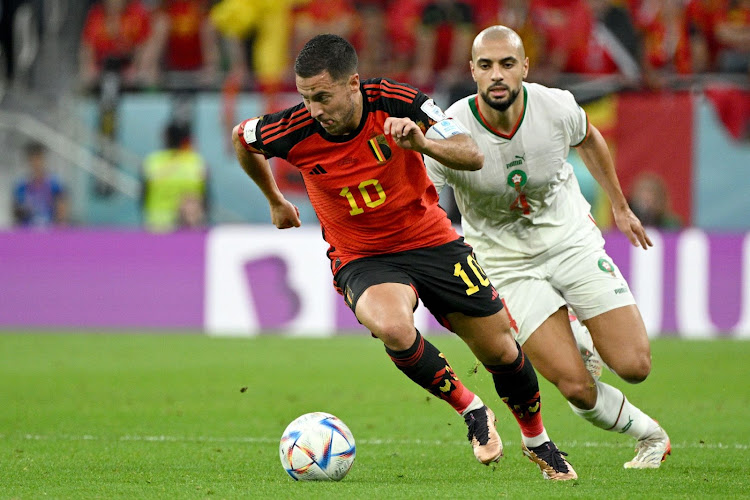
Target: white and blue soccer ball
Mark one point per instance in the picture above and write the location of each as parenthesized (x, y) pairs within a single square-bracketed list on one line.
[(317, 447)]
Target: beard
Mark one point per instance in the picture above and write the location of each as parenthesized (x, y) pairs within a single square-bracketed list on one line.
[(498, 104), (343, 123)]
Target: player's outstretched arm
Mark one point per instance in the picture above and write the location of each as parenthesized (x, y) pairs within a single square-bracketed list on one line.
[(283, 213), (458, 151), (597, 158)]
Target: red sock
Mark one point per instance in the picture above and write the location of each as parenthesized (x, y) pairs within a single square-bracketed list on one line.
[(424, 364), (518, 387)]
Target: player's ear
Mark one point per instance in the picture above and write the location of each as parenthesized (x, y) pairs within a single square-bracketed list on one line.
[(354, 82), (471, 67)]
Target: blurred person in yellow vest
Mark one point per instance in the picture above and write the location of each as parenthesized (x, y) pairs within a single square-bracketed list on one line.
[(175, 183)]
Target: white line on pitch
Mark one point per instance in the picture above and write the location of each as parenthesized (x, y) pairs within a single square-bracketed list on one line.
[(264, 440)]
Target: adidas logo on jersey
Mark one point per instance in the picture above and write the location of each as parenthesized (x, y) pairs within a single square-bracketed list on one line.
[(317, 170)]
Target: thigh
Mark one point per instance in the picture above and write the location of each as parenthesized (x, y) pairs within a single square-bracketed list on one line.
[(599, 295), (386, 310), (359, 275), (529, 301), (554, 353), (589, 280), (620, 337), (383, 298), (488, 337)]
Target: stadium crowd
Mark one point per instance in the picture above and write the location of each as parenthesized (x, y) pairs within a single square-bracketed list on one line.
[(237, 46), (244, 45)]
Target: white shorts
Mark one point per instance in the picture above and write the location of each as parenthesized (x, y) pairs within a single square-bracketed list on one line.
[(580, 274)]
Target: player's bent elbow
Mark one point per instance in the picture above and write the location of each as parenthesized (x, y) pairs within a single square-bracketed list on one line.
[(236, 136), (478, 161)]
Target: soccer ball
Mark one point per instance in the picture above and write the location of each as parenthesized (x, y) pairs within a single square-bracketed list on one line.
[(317, 447)]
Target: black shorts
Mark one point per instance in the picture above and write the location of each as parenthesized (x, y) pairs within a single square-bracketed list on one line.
[(447, 278)]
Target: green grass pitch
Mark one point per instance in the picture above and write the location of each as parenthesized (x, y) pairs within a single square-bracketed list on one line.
[(165, 416)]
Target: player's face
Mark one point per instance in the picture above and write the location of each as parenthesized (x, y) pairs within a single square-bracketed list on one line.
[(499, 68), (333, 104)]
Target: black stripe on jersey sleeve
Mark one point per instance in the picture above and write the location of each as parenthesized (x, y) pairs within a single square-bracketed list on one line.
[(279, 132), (397, 99)]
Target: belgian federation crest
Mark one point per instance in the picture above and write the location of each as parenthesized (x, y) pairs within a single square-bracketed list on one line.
[(380, 149)]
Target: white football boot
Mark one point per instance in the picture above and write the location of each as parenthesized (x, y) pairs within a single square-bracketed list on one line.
[(651, 451)]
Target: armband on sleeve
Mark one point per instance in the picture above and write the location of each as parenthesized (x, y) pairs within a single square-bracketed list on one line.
[(247, 133), (448, 128)]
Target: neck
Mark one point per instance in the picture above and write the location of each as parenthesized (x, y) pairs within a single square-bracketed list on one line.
[(503, 121), (358, 110)]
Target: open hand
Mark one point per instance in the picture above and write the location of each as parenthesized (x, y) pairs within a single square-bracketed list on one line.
[(631, 226)]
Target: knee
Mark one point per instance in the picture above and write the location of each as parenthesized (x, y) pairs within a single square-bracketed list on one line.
[(396, 335), (635, 371), (579, 393)]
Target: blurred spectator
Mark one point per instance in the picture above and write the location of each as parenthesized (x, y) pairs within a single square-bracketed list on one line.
[(21, 29), (702, 17), (39, 199), (649, 201), (258, 35), (175, 183), (733, 32), (615, 39), (374, 49), (591, 37), (564, 27), (186, 42), (516, 15), (337, 17), (402, 19), (443, 44), (115, 36), (666, 39)]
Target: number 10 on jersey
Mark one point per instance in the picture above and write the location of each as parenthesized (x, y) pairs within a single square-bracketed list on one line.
[(371, 200)]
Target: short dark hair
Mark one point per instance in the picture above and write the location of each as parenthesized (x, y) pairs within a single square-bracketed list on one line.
[(34, 148), (326, 53), (176, 134)]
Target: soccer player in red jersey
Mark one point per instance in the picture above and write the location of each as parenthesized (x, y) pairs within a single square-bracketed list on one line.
[(359, 147)]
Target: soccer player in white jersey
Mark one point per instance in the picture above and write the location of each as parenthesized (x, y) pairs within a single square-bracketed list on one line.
[(525, 216)]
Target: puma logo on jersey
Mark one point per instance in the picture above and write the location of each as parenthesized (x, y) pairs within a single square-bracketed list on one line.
[(317, 170), (518, 161)]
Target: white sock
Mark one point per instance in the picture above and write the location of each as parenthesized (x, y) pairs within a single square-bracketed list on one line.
[(613, 412), (475, 404), (533, 442)]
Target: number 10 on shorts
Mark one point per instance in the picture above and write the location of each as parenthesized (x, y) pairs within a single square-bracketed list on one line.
[(459, 271)]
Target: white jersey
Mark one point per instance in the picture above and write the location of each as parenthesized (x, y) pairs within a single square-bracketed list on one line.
[(526, 199)]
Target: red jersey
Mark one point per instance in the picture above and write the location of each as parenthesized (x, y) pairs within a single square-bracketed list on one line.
[(565, 26), (184, 45), (121, 40), (371, 196), (702, 18)]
